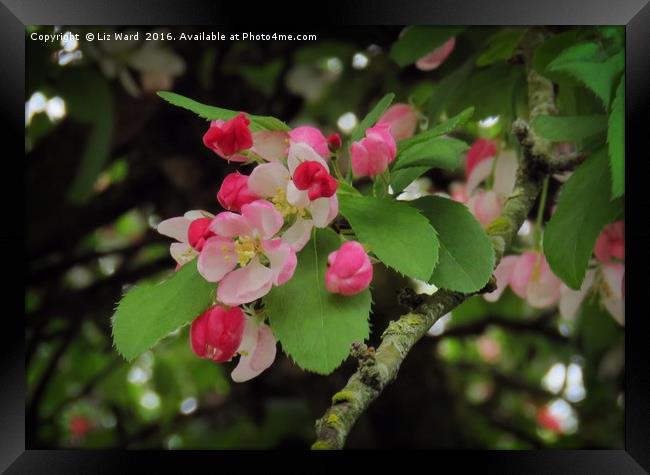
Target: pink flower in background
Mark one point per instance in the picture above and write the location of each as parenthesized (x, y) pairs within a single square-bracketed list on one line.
[(485, 206), (257, 350), (403, 120), (234, 192), (607, 278), (243, 256), (314, 177), (190, 231), (611, 243), (480, 150), (228, 138), (436, 57), (217, 333), (274, 181), (530, 278), (349, 269), (547, 420), (372, 155), (312, 137)]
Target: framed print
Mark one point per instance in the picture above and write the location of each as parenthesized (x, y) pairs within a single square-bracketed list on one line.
[(380, 227)]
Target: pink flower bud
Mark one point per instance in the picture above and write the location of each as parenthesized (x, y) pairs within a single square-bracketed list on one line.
[(349, 269), (312, 137), (228, 138), (199, 232), (547, 420), (334, 141), (611, 243), (313, 176), (372, 155), (403, 120), (217, 333), (481, 150), (234, 192), (436, 57)]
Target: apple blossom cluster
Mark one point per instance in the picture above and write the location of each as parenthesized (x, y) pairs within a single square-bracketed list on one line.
[(269, 216), (529, 274)]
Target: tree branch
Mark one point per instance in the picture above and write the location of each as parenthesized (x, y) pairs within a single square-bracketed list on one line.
[(378, 368)]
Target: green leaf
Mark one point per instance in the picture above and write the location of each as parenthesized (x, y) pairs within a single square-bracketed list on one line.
[(148, 313), (466, 255), (345, 188), (492, 91), (258, 122), (501, 46), (616, 140), (588, 64), (315, 327), (550, 49), (400, 179), (442, 128), (372, 116), (571, 129), (397, 233), (583, 209), (442, 152), (448, 90), (417, 41)]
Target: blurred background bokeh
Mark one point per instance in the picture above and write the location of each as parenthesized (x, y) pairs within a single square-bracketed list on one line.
[(107, 159)]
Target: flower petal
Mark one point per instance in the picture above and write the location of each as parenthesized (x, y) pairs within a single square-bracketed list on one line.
[(570, 299), (543, 288), (197, 214), (229, 224), (258, 358), (217, 258), (505, 173), (262, 216), (521, 273), (182, 253), (298, 233), (246, 284), (267, 179), (270, 145), (282, 259), (324, 210), (479, 174), (301, 152), (502, 274), (175, 228)]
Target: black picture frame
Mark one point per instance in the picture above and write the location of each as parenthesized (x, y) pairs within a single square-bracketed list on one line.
[(634, 14)]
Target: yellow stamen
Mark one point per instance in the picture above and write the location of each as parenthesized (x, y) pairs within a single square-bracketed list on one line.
[(246, 248), (283, 206)]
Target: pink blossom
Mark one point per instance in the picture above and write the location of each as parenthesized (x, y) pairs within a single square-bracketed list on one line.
[(314, 177), (611, 243), (217, 333), (234, 192), (403, 120), (228, 138), (349, 269), (312, 137), (372, 155), (485, 206), (243, 256), (178, 228), (257, 350), (435, 58), (608, 282), (480, 150), (530, 277), (274, 181)]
